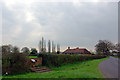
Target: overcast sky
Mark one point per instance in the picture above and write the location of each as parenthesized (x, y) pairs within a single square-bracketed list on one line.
[(74, 24)]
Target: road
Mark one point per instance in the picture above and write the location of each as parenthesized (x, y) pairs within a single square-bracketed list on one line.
[(109, 68)]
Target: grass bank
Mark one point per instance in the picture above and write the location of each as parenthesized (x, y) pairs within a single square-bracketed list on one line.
[(0, 67), (116, 57), (0, 61), (86, 69)]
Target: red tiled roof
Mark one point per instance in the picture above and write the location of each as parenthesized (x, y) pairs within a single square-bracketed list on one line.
[(77, 50)]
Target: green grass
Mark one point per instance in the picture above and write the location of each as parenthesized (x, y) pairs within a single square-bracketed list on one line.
[(86, 69), (0, 61), (116, 57), (0, 69), (33, 57)]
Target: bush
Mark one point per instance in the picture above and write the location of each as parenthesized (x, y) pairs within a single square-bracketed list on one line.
[(15, 63), (57, 60)]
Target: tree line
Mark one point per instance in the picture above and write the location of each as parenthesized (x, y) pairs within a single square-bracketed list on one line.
[(14, 49), (51, 46), (103, 47), (41, 46)]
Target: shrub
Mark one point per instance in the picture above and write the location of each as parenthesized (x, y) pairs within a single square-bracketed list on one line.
[(61, 59), (14, 63)]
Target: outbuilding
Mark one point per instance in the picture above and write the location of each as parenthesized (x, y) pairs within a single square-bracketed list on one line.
[(36, 61)]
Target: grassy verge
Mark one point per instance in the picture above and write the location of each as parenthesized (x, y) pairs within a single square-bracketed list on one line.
[(0, 69), (33, 57), (86, 69), (0, 61), (116, 57)]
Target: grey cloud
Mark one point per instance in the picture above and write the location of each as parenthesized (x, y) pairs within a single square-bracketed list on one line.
[(67, 24)]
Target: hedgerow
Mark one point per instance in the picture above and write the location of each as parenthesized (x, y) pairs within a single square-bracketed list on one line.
[(57, 60), (15, 63)]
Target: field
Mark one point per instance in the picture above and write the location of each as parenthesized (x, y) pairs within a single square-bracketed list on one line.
[(86, 69), (33, 57)]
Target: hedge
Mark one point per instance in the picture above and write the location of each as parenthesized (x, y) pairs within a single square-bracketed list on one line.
[(57, 60), (15, 63)]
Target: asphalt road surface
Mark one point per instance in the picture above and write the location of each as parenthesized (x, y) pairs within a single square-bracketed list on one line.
[(109, 68)]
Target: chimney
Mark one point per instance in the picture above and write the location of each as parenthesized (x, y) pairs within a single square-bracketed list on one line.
[(68, 47)]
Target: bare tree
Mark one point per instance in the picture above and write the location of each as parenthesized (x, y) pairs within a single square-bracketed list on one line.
[(58, 48), (53, 47), (42, 45), (39, 46), (42, 49), (15, 49), (6, 48), (25, 50), (104, 47), (49, 46)]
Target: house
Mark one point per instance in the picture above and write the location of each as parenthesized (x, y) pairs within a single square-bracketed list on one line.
[(76, 51), (36, 61), (115, 52)]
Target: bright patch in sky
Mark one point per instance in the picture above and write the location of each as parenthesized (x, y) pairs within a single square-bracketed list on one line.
[(74, 23)]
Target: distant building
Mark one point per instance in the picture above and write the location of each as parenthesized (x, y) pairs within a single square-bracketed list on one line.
[(76, 51)]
